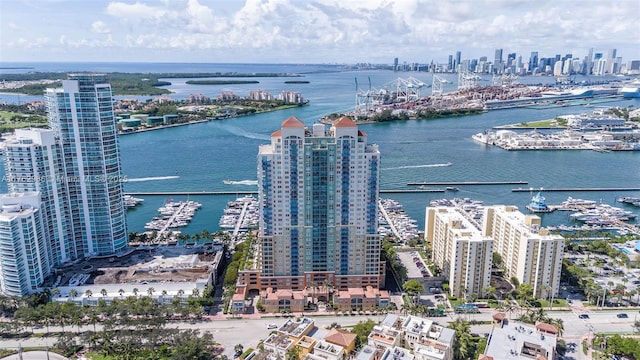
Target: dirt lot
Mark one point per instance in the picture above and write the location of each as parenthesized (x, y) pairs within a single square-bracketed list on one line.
[(162, 264)]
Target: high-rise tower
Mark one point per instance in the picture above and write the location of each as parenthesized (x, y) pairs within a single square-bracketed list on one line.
[(318, 207), (33, 162), (82, 119)]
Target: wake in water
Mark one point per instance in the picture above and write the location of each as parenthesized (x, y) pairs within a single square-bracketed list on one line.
[(153, 178), (240, 132), (418, 166), (240, 182)]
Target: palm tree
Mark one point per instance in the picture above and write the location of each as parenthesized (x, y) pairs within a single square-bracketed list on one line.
[(88, 293), (195, 292), (73, 293), (135, 292), (150, 291), (55, 292), (103, 292), (462, 345), (121, 292)]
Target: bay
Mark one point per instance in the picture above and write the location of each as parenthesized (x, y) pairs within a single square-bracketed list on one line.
[(199, 157)]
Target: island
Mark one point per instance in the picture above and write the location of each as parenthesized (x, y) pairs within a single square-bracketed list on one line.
[(34, 83)]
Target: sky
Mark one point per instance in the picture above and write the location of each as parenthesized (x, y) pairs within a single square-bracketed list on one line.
[(315, 31)]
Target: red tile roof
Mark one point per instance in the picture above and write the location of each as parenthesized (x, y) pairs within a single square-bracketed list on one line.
[(549, 328), (292, 122), (276, 133), (342, 338), (345, 122)]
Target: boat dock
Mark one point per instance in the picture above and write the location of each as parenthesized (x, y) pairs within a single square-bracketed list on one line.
[(385, 214), (253, 192), (172, 215), (240, 216), (577, 189), (394, 221)]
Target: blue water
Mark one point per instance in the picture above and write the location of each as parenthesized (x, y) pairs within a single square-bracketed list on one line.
[(203, 155)]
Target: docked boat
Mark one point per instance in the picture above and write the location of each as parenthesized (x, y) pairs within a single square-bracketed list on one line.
[(452, 188), (227, 182), (485, 137), (538, 204)]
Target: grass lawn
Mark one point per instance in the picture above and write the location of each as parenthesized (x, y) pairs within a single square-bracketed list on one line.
[(550, 123)]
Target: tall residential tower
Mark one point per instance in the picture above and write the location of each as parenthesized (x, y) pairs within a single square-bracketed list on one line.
[(318, 207)]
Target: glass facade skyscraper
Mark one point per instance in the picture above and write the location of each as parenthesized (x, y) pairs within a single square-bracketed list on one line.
[(318, 207), (82, 118)]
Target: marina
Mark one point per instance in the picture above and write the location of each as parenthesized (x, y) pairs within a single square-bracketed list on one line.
[(394, 222), (173, 214), (240, 216)]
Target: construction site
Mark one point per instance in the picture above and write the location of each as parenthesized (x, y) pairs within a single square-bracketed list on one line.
[(144, 265)]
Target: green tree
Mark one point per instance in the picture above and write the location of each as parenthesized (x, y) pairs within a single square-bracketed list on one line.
[(462, 347), (362, 330), (413, 288)]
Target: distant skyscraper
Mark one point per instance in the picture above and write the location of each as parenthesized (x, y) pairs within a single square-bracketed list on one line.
[(612, 53), (451, 64), (82, 119), (24, 262), (395, 64), (318, 207), (533, 61), (457, 60)]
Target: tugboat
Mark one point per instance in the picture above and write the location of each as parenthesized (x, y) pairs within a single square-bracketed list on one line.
[(538, 204)]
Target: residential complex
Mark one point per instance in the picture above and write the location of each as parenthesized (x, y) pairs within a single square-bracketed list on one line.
[(420, 338), (24, 258), (395, 337), (529, 253), (82, 118), (460, 250), (75, 170), (318, 193)]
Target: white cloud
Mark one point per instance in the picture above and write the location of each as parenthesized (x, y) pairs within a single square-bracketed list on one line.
[(351, 30), (100, 27)]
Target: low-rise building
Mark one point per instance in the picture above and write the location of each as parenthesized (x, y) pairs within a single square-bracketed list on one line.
[(282, 300), (357, 299), (426, 339), (515, 340), (326, 351)]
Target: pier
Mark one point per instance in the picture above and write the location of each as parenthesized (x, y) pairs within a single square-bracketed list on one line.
[(170, 222), (254, 192), (385, 214), (578, 189), (446, 183)]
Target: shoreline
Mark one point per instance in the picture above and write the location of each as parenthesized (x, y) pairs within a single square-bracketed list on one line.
[(191, 122)]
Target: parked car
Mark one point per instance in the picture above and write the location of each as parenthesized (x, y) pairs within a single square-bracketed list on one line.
[(583, 316), (622, 316), (272, 326)]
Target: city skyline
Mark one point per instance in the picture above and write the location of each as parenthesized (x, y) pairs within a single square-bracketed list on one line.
[(283, 31)]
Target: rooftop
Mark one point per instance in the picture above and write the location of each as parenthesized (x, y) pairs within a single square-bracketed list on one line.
[(521, 341)]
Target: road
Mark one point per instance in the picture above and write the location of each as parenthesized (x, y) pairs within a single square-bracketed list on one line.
[(249, 332)]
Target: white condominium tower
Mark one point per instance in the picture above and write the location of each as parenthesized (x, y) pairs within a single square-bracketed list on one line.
[(318, 194), (82, 119), (24, 261), (33, 162), (460, 250), (529, 253)]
